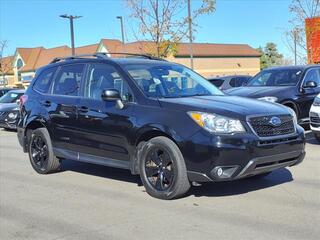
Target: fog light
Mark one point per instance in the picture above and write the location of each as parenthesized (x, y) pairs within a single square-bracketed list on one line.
[(224, 172)]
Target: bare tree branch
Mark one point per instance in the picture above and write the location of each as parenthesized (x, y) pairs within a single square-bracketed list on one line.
[(163, 22)]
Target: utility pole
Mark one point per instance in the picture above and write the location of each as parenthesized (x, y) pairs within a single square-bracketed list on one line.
[(122, 31), (71, 17), (190, 33), (295, 45)]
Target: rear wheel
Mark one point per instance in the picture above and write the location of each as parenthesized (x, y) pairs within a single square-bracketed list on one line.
[(162, 169), (41, 154)]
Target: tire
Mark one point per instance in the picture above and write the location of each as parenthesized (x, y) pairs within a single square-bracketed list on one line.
[(170, 182), (259, 176), (317, 137), (41, 154)]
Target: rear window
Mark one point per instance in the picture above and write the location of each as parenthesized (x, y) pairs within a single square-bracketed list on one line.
[(43, 81)]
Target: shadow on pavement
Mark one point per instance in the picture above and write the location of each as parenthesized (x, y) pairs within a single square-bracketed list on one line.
[(242, 186), (208, 189), (100, 171)]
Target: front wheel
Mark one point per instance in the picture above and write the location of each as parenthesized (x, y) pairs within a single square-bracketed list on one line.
[(162, 169), (41, 153)]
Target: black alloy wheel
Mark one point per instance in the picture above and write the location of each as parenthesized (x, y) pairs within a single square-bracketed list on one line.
[(162, 169), (159, 169), (39, 153)]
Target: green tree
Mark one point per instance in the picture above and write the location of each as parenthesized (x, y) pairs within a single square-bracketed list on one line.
[(270, 56)]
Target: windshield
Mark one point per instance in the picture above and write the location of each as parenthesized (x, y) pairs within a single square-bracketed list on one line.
[(10, 97), (170, 81), (276, 77)]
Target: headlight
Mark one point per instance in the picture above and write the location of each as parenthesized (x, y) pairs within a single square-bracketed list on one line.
[(269, 99), (294, 115), (217, 124), (316, 101), (13, 115)]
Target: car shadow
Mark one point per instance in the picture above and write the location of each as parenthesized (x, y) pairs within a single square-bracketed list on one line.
[(100, 171), (217, 189), (220, 189)]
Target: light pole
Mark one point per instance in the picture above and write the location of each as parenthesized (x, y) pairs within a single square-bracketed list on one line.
[(190, 33), (295, 39), (122, 31), (71, 17)]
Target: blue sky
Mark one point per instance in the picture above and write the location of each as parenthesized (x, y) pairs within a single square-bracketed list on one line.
[(36, 23)]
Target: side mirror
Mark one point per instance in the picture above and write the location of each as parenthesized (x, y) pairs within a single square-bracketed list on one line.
[(112, 95), (18, 101), (311, 84)]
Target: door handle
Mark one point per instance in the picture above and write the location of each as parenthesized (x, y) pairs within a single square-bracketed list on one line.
[(46, 103), (83, 109)]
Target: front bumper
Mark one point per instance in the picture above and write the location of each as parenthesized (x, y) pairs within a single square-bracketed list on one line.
[(224, 158), (315, 119), (7, 122)]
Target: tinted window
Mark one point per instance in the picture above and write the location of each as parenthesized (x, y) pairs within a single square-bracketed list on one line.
[(238, 81), (233, 82), (103, 76), (68, 80), (241, 81), (276, 77), (313, 75), (216, 82), (170, 81), (43, 81)]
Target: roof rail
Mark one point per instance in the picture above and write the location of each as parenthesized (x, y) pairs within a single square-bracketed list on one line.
[(103, 55), (81, 56), (136, 55)]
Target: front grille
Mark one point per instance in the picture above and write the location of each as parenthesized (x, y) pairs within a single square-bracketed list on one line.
[(314, 118), (263, 128)]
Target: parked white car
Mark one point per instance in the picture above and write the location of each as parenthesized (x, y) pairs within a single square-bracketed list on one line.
[(315, 117)]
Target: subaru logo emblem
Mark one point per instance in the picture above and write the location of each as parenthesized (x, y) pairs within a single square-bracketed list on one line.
[(275, 121)]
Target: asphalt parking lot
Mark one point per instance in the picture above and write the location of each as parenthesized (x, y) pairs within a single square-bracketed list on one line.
[(85, 201)]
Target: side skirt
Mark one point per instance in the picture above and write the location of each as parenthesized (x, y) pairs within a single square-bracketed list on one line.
[(82, 157)]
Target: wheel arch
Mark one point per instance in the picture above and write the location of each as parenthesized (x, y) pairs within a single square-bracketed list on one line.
[(146, 133), (292, 105), (33, 124)]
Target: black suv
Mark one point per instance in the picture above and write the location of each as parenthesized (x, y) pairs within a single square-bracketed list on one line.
[(158, 119), (293, 86)]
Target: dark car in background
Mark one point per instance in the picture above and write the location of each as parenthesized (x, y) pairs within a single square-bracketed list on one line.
[(293, 86), (9, 109), (155, 118), (227, 82)]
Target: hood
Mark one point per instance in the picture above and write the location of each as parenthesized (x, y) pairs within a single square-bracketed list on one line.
[(229, 106), (257, 92), (5, 107)]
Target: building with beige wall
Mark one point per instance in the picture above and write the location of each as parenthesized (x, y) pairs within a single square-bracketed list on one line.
[(209, 60)]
